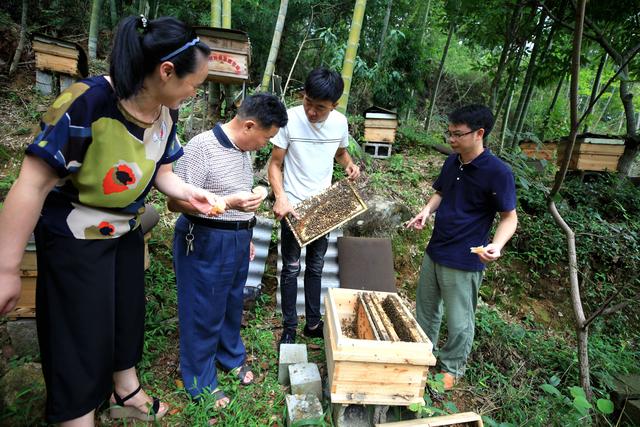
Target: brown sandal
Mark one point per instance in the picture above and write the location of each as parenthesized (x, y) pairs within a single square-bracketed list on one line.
[(122, 411)]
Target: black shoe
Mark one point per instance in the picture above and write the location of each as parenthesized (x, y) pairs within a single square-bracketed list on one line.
[(316, 332), (288, 337)]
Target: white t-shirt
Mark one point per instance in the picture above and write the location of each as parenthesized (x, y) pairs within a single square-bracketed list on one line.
[(311, 148)]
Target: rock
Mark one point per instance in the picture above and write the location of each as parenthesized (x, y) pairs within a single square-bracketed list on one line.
[(303, 407), (22, 395), (382, 218), (24, 337)]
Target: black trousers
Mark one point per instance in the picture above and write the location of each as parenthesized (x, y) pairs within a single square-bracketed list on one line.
[(90, 316)]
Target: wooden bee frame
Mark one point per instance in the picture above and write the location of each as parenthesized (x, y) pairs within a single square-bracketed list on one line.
[(325, 212)]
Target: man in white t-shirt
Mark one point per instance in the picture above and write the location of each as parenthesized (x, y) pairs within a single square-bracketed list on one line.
[(315, 135)]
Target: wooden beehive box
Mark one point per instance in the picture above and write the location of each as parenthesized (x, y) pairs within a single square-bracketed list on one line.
[(539, 151), (368, 371), (380, 125), (60, 56), (230, 54), (593, 153)]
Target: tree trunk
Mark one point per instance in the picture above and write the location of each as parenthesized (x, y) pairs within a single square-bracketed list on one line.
[(582, 330), (505, 121), (275, 46), (23, 37), (113, 10), (502, 63), (226, 13), (556, 94), (606, 107), (528, 79), (350, 54), (594, 90), (434, 92), (214, 88), (631, 141), (383, 36), (94, 28), (425, 21), (513, 76), (540, 58)]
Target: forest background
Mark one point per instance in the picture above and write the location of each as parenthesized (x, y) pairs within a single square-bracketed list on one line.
[(421, 59)]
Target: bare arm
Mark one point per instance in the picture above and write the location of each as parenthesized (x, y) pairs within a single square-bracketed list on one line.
[(201, 200), (282, 206), (506, 227), (343, 157), (18, 218), (420, 220)]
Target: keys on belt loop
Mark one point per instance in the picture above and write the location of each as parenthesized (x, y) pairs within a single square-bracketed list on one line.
[(189, 239)]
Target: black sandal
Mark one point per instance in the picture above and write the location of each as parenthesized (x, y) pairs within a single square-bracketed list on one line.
[(122, 411)]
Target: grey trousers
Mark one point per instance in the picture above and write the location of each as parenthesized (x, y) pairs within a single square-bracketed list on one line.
[(456, 291)]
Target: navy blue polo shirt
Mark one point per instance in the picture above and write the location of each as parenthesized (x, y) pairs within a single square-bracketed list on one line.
[(472, 194)]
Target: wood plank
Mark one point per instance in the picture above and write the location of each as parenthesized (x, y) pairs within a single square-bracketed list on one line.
[(611, 150), (236, 46), (372, 398), (378, 323), (45, 61), (379, 135), (469, 418), (381, 123), (386, 321), (364, 330), (374, 373), (225, 65), (55, 50)]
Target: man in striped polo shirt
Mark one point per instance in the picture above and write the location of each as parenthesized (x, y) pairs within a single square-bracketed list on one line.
[(315, 135), (211, 256)]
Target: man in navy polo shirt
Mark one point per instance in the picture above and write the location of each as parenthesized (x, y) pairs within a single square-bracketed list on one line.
[(472, 187)]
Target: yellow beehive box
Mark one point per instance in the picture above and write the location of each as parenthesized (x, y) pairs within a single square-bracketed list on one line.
[(60, 56), (380, 125), (367, 371), (593, 153)]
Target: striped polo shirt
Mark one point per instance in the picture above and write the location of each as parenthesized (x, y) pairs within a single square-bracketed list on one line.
[(211, 161)]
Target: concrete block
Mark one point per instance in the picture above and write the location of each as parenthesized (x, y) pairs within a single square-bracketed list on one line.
[(377, 150), (44, 82), (305, 379), (290, 354), (65, 81), (303, 407)]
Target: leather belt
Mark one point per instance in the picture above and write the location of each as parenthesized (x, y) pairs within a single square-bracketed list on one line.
[(223, 225)]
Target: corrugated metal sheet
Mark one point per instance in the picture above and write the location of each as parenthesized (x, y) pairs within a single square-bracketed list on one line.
[(329, 273), (261, 240)]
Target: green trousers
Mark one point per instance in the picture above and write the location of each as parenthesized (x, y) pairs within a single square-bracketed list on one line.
[(457, 291)]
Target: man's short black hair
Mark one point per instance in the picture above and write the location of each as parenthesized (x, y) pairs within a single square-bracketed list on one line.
[(323, 84), (475, 116), (264, 108)]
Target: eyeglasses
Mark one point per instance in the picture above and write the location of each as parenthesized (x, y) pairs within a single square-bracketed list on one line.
[(456, 135)]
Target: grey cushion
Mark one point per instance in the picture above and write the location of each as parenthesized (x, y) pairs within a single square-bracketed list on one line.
[(366, 263)]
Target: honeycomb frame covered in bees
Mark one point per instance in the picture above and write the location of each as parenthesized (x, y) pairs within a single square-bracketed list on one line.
[(325, 212)]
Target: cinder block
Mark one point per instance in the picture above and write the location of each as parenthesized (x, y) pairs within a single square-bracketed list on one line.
[(305, 379), (303, 407), (65, 81), (44, 82), (377, 150), (290, 354)]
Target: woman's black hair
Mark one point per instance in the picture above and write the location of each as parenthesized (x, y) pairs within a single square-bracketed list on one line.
[(139, 46)]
